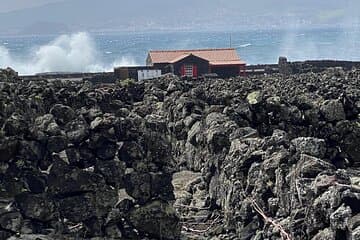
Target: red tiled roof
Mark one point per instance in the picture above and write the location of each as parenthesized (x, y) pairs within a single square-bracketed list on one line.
[(180, 57), (223, 56)]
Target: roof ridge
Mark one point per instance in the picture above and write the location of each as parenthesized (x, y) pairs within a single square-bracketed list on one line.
[(194, 50)]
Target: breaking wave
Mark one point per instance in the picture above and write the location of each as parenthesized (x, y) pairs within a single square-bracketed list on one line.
[(67, 53), (245, 45)]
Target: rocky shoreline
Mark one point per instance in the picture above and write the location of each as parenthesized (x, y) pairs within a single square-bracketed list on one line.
[(263, 157)]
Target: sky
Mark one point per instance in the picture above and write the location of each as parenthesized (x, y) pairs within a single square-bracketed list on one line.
[(63, 16), (12, 5)]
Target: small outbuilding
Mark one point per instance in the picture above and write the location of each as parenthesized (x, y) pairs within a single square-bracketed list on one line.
[(137, 72), (224, 62)]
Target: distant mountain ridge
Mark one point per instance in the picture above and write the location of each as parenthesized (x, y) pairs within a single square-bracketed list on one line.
[(114, 15)]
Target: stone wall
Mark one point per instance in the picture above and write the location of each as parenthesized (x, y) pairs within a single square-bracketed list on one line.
[(76, 162), (82, 161), (286, 148), (285, 67)]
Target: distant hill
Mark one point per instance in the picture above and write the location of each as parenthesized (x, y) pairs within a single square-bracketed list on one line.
[(115, 15)]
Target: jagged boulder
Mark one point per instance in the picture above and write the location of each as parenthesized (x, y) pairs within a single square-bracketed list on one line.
[(11, 221), (37, 206), (310, 167), (15, 125), (327, 233), (158, 219), (333, 110), (88, 205), (8, 75), (62, 113), (339, 220), (312, 146), (8, 148), (113, 172), (77, 130), (65, 180), (145, 186)]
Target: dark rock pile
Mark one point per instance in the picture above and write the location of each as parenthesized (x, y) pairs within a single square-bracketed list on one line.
[(279, 156), (256, 158), (76, 162), (8, 75)]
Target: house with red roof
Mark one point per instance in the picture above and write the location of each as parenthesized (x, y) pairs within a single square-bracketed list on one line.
[(224, 62)]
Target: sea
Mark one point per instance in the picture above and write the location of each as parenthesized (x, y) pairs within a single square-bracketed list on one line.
[(97, 52)]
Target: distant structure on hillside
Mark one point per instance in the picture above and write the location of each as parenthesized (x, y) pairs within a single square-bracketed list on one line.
[(224, 62)]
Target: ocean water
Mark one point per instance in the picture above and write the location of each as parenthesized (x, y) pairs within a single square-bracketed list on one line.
[(80, 52)]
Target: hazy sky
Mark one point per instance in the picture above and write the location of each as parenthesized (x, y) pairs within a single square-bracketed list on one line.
[(63, 16), (10, 5)]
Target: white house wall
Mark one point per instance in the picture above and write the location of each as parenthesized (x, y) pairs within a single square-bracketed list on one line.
[(148, 74)]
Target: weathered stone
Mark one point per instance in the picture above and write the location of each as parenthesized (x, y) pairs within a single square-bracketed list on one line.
[(340, 218), (5, 235), (274, 161), (245, 132), (36, 182), (333, 110), (66, 180), (107, 151), (248, 231), (36, 206), (47, 124), (138, 186), (254, 98), (158, 219), (126, 130), (158, 149), (194, 131), (161, 186), (311, 146), (31, 237), (63, 114), (304, 102), (327, 233), (77, 130), (319, 215), (56, 144), (130, 153), (310, 167), (155, 123), (11, 221), (88, 205), (113, 232), (354, 222), (144, 186), (8, 148), (350, 144), (355, 234), (15, 125), (351, 199), (217, 140), (78, 208), (8, 75), (113, 172), (31, 150)]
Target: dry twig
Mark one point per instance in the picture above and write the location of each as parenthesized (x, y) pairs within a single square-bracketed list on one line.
[(284, 234), (352, 187)]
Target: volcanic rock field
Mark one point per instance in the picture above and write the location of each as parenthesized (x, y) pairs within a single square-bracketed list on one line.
[(250, 158)]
